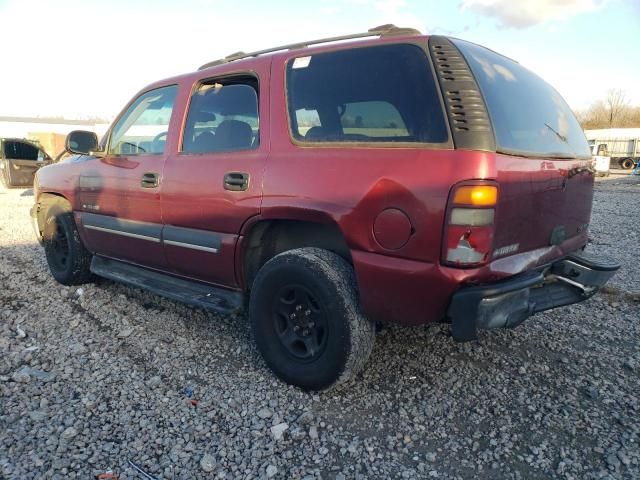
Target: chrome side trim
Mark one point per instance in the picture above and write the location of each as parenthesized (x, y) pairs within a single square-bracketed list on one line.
[(191, 246), (124, 234)]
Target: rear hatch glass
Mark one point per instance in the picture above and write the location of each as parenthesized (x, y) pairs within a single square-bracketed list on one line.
[(529, 116)]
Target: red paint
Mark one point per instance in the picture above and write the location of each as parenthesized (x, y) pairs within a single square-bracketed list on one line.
[(396, 256)]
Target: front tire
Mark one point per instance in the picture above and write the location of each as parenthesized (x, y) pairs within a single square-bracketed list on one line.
[(306, 320), (68, 259)]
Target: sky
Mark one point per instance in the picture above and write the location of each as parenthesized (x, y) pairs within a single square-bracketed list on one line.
[(84, 58)]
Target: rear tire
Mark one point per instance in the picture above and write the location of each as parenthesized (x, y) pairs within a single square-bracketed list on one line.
[(306, 320), (68, 259), (627, 163)]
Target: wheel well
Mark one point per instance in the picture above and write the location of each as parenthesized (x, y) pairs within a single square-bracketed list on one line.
[(46, 201), (271, 237)]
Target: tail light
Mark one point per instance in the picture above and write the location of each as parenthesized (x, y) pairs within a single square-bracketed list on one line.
[(468, 235)]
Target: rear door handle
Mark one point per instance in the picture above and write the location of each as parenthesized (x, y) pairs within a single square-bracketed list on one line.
[(150, 180), (236, 181)]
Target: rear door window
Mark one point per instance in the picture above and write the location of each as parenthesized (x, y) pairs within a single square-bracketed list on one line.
[(529, 116), (372, 94), (223, 117)]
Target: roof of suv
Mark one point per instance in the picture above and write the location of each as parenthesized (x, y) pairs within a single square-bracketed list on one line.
[(381, 31), (375, 36)]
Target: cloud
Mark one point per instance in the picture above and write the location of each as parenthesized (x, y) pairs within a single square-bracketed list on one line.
[(526, 13)]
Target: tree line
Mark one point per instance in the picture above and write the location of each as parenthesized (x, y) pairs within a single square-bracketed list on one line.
[(614, 111)]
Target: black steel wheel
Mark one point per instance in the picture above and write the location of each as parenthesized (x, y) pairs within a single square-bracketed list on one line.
[(68, 259), (300, 322), (59, 248), (306, 319)]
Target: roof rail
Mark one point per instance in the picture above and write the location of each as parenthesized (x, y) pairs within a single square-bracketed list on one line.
[(388, 30)]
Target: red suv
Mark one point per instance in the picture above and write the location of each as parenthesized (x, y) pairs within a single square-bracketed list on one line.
[(398, 178)]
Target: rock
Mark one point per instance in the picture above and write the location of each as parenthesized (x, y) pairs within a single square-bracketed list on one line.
[(313, 432), (629, 364), (306, 418), (125, 332), (278, 430), (592, 392), (297, 433), (264, 413), (623, 458), (79, 292), (77, 349), (154, 381), (20, 333), (430, 457), (69, 433), (612, 461), (208, 463), (21, 376), (38, 415), (272, 470), (24, 375)]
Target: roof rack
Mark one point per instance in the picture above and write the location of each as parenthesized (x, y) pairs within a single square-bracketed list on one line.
[(388, 30)]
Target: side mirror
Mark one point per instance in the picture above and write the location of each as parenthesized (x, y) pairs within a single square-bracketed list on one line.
[(81, 142)]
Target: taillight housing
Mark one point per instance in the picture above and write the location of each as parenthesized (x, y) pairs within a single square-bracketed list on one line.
[(469, 224)]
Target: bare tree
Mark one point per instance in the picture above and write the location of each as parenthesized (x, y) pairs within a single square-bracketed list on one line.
[(617, 106), (612, 112)]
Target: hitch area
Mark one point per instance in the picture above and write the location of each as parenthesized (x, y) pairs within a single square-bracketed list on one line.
[(508, 303)]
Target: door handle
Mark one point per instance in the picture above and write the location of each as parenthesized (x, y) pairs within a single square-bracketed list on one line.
[(236, 181), (150, 180)]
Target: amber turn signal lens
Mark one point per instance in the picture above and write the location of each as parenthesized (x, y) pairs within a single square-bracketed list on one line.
[(477, 195)]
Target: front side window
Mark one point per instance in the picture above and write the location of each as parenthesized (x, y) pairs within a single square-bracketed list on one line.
[(528, 116), (372, 94), (142, 130), (222, 117)]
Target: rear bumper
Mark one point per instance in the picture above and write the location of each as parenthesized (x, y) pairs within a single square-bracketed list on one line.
[(508, 303)]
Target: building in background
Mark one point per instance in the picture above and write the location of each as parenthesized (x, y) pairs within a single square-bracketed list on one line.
[(50, 133)]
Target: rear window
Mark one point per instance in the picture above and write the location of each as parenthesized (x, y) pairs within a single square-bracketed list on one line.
[(529, 117), (373, 94)]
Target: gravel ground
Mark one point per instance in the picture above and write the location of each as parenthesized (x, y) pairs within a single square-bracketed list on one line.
[(91, 378)]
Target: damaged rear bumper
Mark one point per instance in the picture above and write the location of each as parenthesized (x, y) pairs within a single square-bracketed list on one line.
[(508, 303)]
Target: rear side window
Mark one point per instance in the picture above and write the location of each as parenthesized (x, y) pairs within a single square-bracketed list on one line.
[(529, 117), (373, 94)]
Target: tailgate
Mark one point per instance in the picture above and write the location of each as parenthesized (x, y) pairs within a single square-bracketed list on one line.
[(541, 202)]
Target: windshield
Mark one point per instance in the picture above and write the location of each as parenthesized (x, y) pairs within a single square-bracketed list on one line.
[(529, 117)]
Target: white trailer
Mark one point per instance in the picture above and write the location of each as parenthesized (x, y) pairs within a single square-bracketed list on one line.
[(622, 145)]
